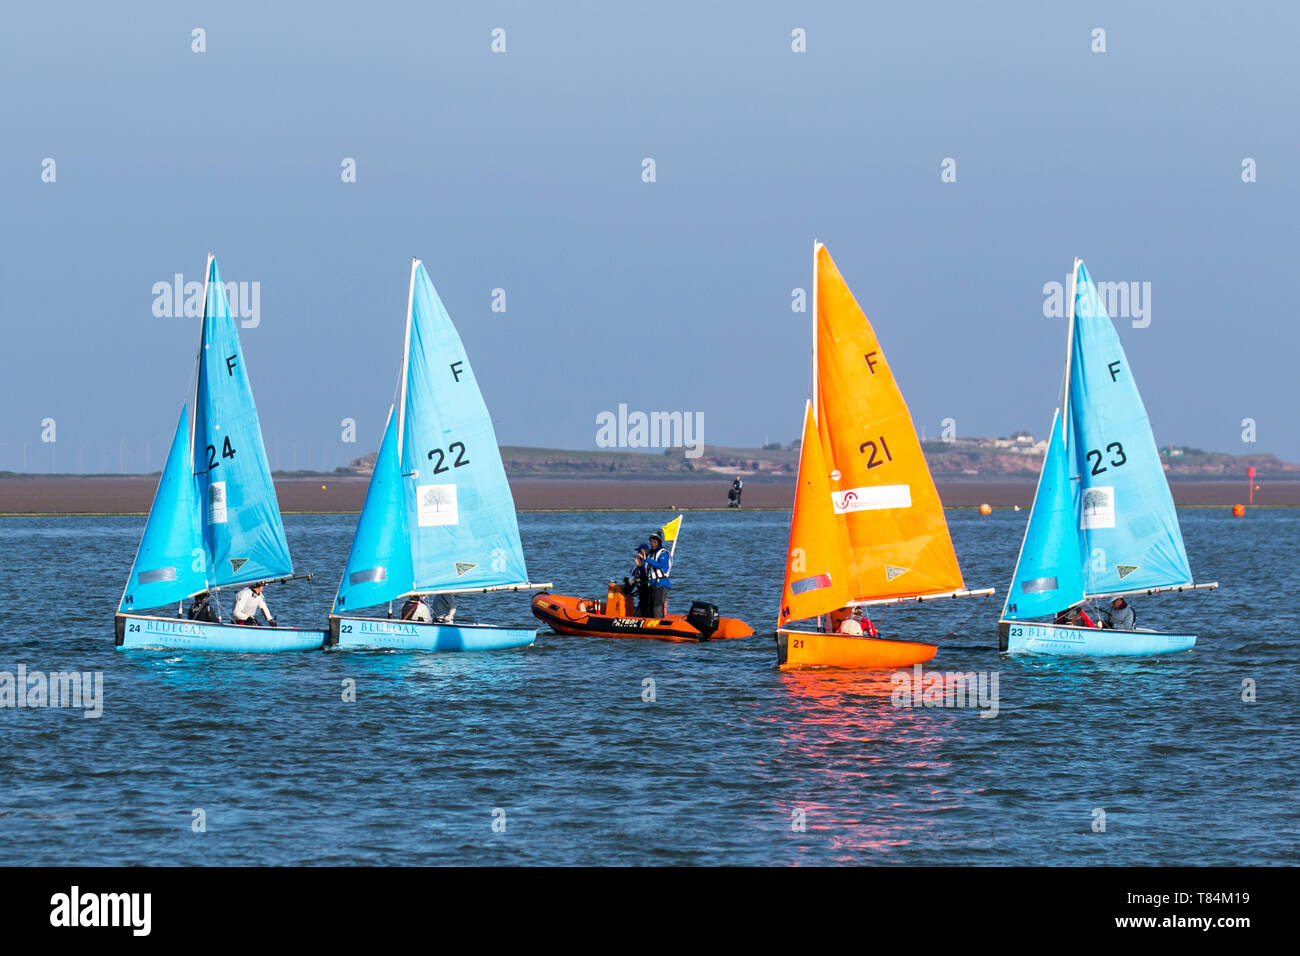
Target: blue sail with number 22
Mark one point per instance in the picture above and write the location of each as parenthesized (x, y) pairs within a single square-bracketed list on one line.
[(439, 515)]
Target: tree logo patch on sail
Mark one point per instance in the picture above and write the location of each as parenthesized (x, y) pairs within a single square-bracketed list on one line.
[(436, 505), (878, 498), (217, 503), (892, 572), (1125, 570), (1098, 509), (463, 569), (237, 563)]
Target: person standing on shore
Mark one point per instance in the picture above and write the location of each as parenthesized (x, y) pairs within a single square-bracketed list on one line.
[(733, 496)]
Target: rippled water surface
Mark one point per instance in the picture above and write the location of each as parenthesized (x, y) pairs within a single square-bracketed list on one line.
[(721, 768)]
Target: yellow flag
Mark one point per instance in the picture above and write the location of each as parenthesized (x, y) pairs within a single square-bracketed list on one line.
[(671, 528)]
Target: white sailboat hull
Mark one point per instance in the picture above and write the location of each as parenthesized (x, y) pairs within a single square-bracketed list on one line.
[(1018, 637)]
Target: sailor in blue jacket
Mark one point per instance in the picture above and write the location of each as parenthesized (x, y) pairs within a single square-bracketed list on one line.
[(658, 566)]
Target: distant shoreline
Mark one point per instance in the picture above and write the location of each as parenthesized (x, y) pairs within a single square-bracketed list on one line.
[(133, 494)]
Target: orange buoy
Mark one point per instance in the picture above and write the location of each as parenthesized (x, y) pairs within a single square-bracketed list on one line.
[(1238, 511), (986, 510)]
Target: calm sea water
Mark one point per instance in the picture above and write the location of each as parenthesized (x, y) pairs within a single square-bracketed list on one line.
[(557, 742)]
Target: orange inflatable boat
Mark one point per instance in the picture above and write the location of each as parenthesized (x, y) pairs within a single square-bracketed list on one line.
[(615, 617)]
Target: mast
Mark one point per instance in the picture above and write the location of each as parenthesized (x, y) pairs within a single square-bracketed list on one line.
[(198, 361), (194, 426), (1069, 354), (406, 361), (816, 245), (401, 398)]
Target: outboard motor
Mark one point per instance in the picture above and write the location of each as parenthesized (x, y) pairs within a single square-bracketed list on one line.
[(704, 618)]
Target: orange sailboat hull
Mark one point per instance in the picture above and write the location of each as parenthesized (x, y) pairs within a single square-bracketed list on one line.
[(810, 649)]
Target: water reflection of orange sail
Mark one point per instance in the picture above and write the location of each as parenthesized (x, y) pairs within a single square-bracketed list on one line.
[(819, 571), (880, 482), (837, 732)]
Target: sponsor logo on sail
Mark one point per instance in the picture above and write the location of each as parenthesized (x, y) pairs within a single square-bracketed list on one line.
[(436, 505), (217, 503), (878, 498), (1098, 509), (892, 572), (1125, 570), (462, 568)]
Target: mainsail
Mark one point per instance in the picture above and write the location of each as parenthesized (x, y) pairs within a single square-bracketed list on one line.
[(443, 517), (1103, 520), (171, 562), (1128, 526), (242, 528), (880, 487)]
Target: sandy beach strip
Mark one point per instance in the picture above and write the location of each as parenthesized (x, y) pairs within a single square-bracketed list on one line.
[(133, 494)]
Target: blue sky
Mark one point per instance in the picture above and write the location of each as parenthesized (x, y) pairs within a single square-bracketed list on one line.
[(522, 171)]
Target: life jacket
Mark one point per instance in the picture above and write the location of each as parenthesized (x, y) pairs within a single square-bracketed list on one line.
[(869, 627), (408, 609), (654, 573)]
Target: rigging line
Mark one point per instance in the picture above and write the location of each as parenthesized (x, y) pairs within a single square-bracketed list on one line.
[(957, 629)]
